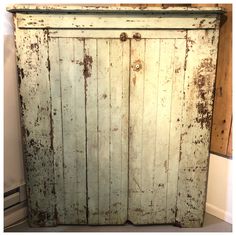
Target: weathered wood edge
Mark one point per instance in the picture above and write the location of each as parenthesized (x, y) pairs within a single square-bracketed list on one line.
[(37, 8)]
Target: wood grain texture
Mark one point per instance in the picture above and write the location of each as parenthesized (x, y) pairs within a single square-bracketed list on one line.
[(229, 149), (222, 113), (200, 67), (34, 82)]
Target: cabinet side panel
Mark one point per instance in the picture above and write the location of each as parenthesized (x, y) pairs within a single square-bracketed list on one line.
[(33, 71), (201, 57)]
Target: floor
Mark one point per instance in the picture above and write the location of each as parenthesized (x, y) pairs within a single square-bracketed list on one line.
[(211, 224)]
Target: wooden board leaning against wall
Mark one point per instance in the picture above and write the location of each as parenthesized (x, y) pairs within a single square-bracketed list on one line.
[(222, 113), (221, 136)]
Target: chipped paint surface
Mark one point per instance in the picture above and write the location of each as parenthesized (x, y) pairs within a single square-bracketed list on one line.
[(32, 56), (116, 123), (196, 126), (126, 21)]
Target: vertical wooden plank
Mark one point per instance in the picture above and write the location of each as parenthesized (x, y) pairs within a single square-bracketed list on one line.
[(123, 207), (135, 130), (33, 70), (164, 105), (196, 123), (222, 113), (80, 131), (91, 91), (68, 87), (118, 152), (151, 68), (175, 127), (103, 129), (55, 85)]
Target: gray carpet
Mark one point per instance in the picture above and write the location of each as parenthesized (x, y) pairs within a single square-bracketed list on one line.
[(211, 224)]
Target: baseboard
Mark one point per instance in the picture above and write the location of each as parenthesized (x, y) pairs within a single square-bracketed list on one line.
[(219, 213), (14, 214)]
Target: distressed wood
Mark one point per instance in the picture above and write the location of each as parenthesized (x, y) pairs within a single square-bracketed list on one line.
[(175, 127), (155, 111), (110, 21), (196, 121), (116, 128), (55, 85), (106, 111), (119, 78), (103, 51), (222, 112), (88, 8), (90, 76), (135, 129), (115, 33), (34, 82), (73, 121), (229, 148)]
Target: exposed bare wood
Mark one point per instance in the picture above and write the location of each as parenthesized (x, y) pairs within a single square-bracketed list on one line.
[(222, 114)]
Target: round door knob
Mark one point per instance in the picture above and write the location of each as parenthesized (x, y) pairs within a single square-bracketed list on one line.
[(137, 36), (123, 36)]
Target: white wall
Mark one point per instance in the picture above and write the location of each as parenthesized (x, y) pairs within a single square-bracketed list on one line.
[(13, 161), (219, 190)]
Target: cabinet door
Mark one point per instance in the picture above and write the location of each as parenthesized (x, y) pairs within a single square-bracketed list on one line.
[(171, 87), (89, 79), (156, 93)]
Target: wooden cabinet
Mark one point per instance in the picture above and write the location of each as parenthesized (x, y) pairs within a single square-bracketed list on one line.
[(116, 107)]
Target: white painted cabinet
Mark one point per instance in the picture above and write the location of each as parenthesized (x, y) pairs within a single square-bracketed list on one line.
[(116, 110)]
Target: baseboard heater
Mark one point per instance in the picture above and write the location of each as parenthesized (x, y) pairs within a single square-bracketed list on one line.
[(15, 208)]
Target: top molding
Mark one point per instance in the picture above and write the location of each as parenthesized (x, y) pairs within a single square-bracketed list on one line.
[(71, 8)]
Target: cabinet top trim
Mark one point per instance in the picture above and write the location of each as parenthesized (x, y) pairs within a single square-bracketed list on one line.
[(102, 8)]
